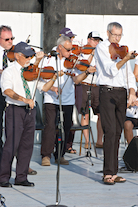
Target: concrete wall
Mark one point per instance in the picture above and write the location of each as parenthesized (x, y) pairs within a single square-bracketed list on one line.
[(55, 12)]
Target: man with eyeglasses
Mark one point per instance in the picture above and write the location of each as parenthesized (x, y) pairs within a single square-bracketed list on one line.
[(51, 101), (112, 79), (20, 116), (6, 42)]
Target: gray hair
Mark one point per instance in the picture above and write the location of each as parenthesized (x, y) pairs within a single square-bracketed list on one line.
[(61, 40), (5, 28), (113, 24)]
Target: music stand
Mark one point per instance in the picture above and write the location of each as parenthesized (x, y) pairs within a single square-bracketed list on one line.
[(61, 135)]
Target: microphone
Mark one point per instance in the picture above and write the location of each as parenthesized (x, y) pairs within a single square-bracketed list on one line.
[(54, 53), (83, 112)]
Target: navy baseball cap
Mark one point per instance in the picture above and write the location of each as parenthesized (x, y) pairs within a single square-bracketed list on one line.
[(66, 32), (24, 48)]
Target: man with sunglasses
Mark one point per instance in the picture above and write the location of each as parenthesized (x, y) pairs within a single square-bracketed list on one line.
[(6, 42), (114, 77), (51, 101), (20, 116)]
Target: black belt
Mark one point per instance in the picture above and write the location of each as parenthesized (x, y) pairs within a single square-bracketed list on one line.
[(110, 88), (88, 84), (24, 106)]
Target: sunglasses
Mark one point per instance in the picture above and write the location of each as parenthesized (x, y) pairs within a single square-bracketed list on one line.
[(68, 50), (7, 39), (27, 56)]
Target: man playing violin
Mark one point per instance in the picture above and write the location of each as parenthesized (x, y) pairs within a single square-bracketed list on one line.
[(51, 102), (20, 117), (6, 43), (6, 40), (112, 79), (89, 84)]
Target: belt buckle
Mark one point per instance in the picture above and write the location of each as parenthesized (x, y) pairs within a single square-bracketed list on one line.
[(110, 88)]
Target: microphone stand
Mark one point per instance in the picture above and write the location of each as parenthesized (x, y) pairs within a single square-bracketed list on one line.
[(61, 135), (88, 153)]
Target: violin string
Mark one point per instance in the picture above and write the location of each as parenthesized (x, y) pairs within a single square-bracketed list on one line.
[(38, 78)]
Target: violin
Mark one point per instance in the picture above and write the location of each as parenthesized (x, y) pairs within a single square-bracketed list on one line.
[(86, 49), (31, 72), (10, 54), (73, 61), (117, 51)]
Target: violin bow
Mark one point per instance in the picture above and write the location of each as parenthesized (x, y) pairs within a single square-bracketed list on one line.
[(68, 75)]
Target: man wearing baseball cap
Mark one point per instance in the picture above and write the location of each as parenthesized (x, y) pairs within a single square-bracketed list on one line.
[(67, 32), (20, 116), (95, 35), (89, 84)]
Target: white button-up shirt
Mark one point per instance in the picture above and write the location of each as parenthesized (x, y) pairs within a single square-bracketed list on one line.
[(1, 61), (11, 79), (108, 74)]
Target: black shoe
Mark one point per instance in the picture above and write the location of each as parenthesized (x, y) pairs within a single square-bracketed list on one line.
[(24, 183), (6, 184)]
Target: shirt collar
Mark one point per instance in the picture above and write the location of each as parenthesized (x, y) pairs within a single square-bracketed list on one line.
[(1, 48), (17, 65)]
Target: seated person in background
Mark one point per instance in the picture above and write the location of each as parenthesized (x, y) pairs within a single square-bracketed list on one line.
[(131, 114), (131, 122)]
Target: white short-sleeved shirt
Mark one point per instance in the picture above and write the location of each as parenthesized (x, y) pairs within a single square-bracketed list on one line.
[(68, 92), (1, 61), (108, 74), (11, 79), (132, 112), (90, 78)]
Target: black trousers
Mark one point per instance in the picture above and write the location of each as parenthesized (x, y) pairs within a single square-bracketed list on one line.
[(113, 113), (2, 106), (49, 133), (20, 128)]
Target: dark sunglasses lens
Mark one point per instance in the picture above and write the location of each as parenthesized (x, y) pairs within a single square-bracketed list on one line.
[(12, 38)]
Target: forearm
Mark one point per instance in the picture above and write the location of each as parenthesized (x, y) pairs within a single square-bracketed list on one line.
[(49, 85), (121, 62), (13, 95), (136, 72), (78, 79)]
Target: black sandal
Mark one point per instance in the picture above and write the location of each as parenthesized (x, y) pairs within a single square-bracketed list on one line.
[(72, 151)]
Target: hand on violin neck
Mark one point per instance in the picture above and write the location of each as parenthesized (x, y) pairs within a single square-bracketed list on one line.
[(60, 73), (133, 55), (39, 56)]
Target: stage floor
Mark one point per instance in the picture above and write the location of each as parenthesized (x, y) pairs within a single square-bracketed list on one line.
[(80, 183)]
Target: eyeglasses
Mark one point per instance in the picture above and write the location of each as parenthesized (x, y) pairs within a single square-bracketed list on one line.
[(116, 35), (25, 55), (7, 39), (95, 39), (68, 50)]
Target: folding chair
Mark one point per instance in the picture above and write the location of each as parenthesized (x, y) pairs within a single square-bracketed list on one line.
[(78, 127), (38, 123)]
